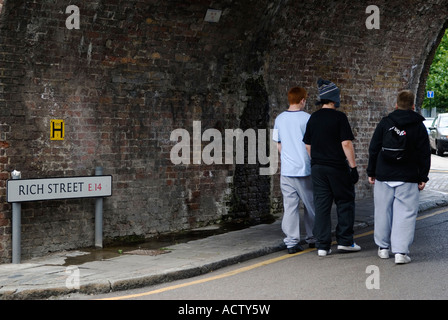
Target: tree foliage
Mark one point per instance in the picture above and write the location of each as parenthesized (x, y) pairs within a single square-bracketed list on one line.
[(438, 77)]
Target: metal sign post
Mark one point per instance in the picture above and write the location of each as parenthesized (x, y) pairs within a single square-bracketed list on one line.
[(28, 190), (99, 215), (16, 225)]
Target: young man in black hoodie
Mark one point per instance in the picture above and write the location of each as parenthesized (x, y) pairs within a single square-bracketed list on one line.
[(397, 183)]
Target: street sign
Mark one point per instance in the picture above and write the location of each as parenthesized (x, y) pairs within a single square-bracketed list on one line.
[(26, 190), (430, 95)]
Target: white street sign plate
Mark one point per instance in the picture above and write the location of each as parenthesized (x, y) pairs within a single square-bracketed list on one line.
[(25, 190)]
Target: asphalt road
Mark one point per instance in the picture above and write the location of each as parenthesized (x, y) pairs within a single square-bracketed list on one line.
[(339, 276)]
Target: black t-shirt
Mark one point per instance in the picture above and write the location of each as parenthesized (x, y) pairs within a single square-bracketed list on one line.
[(325, 131)]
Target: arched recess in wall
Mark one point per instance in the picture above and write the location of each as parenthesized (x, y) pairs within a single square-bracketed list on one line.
[(421, 90)]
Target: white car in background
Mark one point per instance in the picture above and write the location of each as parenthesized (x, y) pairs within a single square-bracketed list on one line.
[(428, 122), (438, 136)]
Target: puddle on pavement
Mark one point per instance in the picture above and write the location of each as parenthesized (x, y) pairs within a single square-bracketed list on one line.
[(154, 246)]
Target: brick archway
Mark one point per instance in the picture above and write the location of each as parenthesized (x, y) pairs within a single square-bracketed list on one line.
[(138, 69)]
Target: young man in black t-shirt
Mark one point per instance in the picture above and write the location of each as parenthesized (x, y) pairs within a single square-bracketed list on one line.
[(328, 139)]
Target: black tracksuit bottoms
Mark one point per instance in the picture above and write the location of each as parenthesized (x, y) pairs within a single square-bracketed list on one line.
[(333, 184)]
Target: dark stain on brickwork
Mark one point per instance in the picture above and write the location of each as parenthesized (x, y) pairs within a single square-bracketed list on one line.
[(251, 191)]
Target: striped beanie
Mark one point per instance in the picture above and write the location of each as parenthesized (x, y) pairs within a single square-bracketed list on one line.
[(328, 91)]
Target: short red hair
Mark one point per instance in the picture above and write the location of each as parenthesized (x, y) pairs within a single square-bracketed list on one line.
[(296, 95)]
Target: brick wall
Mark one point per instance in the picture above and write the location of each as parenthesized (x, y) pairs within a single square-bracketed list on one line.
[(137, 70), (314, 39)]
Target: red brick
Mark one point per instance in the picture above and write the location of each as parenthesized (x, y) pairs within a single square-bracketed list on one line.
[(141, 69)]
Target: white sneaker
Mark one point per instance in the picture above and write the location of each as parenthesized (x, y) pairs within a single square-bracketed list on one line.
[(323, 253), (383, 253), (402, 258), (353, 247)]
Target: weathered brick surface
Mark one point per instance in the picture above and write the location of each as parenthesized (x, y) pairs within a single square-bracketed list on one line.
[(329, 40), (138, 69)]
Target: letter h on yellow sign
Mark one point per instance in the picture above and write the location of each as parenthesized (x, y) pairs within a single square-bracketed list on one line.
[(57, 130)]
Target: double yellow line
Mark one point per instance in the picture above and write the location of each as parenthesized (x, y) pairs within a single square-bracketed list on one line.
[(244, 269)]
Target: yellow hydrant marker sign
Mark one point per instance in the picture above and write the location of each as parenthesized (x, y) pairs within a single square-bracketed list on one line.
[(57, 130)]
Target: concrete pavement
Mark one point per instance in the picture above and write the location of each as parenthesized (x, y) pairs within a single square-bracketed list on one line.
[(42, 278)]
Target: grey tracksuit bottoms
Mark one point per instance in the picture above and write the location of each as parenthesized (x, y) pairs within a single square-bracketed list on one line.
[(295, 189), (396, 209)]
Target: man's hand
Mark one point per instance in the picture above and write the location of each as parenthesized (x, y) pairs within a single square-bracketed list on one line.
[(354, 175), (421, 185)]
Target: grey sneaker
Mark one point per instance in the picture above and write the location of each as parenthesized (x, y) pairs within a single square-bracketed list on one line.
[(383, 253), (402, 258), (323, 253), (353, 247)]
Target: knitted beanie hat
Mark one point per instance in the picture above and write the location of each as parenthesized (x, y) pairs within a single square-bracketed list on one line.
[(328, 91)]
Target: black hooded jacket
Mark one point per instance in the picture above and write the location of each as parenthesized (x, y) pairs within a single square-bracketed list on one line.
[(416, 168)]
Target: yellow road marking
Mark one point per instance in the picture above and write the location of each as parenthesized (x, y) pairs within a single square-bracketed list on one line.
[(248, 268), (224, 275)]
